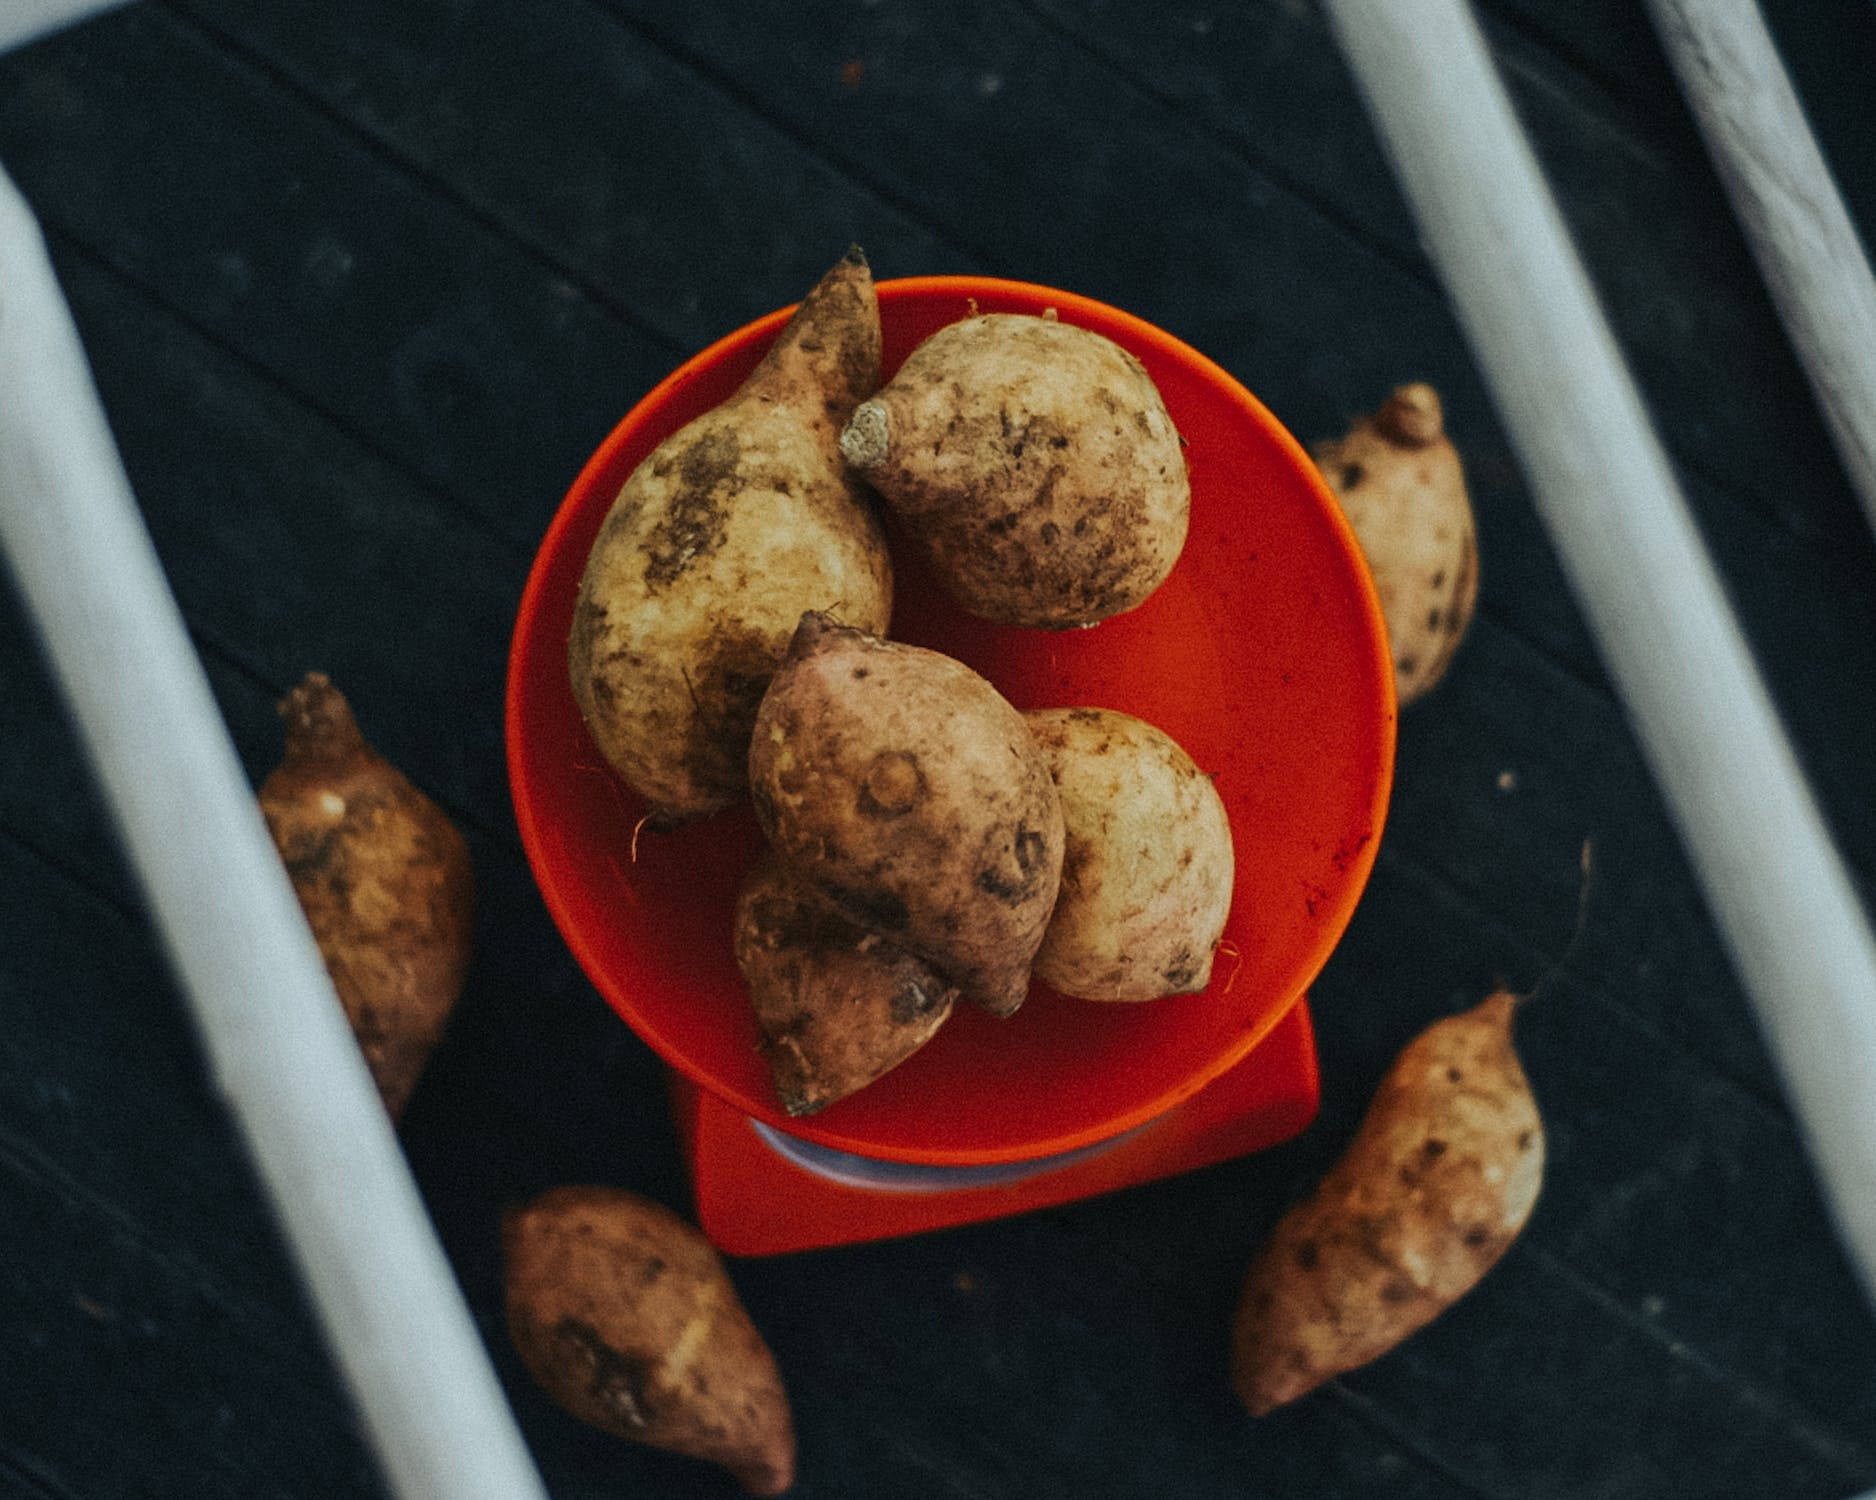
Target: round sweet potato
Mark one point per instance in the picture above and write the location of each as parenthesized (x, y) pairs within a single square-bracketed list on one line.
[(1035, 463), (1147, 867), (719, 540), (906, 791)]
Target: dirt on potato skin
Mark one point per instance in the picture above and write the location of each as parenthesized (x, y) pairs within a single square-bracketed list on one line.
[(909, 793), (626, 1316), (1148, 868), (716, 544), (1035, 464), (384, 878), (1400, 481), (836, 1006), (1439, 1180)]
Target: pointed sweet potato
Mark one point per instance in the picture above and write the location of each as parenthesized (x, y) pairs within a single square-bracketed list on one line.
[(1438, 1181)]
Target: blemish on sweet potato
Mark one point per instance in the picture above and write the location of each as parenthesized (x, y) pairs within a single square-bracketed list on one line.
[(1439, 1180)]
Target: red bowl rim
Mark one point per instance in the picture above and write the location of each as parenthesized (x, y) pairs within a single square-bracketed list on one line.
[(1072, 306)]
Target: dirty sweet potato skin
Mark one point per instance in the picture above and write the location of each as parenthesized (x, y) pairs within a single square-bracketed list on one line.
[(910, 795), (384, 879), (1148, 864), (1400, 482), (715, 545), (1439, 1180), (1035, 463), (626, 1316), (836, 1006)]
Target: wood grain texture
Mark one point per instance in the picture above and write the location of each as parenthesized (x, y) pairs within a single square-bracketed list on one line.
[(284, 1060), (1782, 191), (335, 458)]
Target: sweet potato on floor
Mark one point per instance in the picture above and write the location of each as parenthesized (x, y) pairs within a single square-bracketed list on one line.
[(383, 877), (1400, 482), (624, 1313), (1441, 1176)]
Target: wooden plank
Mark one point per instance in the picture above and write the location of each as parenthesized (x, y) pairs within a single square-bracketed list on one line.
[(151, 1291), (124, 1377), (293, 553), (1612, 43), (424, 331), (589, 147), (1669, 260), (421, 323), (1675, 1191), (1801, 233), (1635, 1114)]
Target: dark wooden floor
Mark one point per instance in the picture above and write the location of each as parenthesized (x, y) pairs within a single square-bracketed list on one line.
[(363, 281)]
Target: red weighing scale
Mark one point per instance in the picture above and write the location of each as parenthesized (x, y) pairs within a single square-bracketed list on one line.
[(1263, 654)]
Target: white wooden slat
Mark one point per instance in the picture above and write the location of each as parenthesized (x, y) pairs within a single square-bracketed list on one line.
[(1782, 192), (1793, 925), (275, 1035), (23, 21)]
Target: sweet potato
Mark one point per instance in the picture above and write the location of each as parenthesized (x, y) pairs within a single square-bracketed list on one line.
[(1438, 1181), (906, 791), (1147, 865), (626, 1316), (836, 1005), (1400, 482), (383, 877), (718, 541), (1035, 463)]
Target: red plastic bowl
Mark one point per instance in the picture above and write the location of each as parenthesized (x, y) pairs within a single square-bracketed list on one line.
[(1263, 654)]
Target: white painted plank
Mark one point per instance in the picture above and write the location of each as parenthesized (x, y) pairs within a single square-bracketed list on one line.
[(273, 1029), (1782, 192), (1609, 499), (23, 21)]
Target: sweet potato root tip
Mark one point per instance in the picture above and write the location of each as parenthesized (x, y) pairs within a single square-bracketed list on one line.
[(319, 722)]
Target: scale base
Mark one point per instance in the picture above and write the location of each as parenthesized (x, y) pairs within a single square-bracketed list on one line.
[(753, 1200)]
